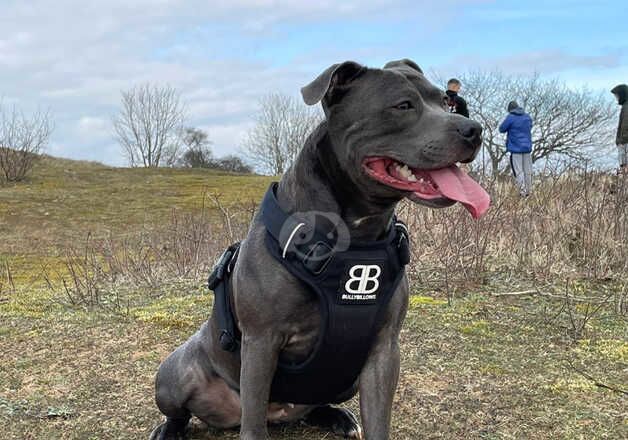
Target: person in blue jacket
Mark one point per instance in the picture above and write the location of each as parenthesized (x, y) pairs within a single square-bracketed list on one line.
[(518, 126)]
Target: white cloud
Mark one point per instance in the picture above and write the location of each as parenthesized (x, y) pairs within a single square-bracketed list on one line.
[(549, 61), (94, 128), (227, 139), (74, 57)]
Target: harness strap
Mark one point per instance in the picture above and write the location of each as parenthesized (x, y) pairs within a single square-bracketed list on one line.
[(289, 232), (229, 336)]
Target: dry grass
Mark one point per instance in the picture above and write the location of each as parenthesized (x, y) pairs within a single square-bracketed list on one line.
[(573, 227), (509, 312), (483, 368), (64, 200)]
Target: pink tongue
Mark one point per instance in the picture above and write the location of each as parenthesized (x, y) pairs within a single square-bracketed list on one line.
[(455, 184)]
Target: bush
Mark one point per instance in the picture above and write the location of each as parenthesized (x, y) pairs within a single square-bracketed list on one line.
[(573, 226), (22, 140), (231, 163)]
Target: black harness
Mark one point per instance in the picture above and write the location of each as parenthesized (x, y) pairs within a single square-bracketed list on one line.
[(353, 281)]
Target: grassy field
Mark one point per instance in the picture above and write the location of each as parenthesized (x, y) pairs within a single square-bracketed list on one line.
[(65, 199), (489, 357)]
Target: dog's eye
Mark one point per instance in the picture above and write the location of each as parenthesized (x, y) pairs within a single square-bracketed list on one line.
[(405, 105)]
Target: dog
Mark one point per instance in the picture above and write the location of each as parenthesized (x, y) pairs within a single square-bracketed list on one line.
[(386, 136)]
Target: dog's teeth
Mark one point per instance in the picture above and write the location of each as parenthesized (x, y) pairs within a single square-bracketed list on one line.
[(405, 172), (412, 178)]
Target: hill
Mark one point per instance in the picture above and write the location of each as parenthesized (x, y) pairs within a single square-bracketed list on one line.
[(64, 200), (515, 330)]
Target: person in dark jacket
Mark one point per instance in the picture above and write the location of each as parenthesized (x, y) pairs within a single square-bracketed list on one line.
[(455, 102), (621, 93), (518, 126)]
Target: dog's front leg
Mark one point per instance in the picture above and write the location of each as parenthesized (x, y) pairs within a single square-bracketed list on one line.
[(259, 355), (378, 382)]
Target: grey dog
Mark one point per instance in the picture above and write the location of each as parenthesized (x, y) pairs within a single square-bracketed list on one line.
[(386, 137)]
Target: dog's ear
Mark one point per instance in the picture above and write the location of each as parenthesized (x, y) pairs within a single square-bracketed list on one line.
[(334, 77), (401, 63)]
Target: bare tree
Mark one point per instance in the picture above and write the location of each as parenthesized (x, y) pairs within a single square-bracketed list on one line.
[(22, 140), (198, 153), (568, 123), (149, 124), (281, 128)]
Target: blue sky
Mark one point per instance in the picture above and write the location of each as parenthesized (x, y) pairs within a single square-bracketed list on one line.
[(74, 57)]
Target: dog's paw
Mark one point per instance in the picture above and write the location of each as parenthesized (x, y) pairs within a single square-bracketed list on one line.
[(170, 430), (338, 420)]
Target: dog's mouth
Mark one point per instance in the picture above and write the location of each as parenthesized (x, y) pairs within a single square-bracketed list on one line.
[(443, 186)]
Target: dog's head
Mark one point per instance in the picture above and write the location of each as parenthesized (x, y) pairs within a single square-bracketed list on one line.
[(392, 135)]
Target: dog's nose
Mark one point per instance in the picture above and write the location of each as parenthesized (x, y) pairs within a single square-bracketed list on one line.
[(472, 132)]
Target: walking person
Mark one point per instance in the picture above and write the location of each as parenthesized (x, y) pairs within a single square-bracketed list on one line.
[(518, 126), (455, 102), (621, 93)]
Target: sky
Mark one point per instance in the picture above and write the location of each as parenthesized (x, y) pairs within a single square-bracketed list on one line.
[(73, 58)]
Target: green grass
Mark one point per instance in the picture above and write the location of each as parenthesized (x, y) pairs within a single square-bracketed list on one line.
[(484, 367), (64, 199)]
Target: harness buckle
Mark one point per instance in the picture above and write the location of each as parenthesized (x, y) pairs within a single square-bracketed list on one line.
[(317, 259), (403, 242), (227, 341), (223, 266)]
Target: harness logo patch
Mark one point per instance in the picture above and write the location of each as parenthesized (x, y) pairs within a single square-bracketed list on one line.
[(363, 282)]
